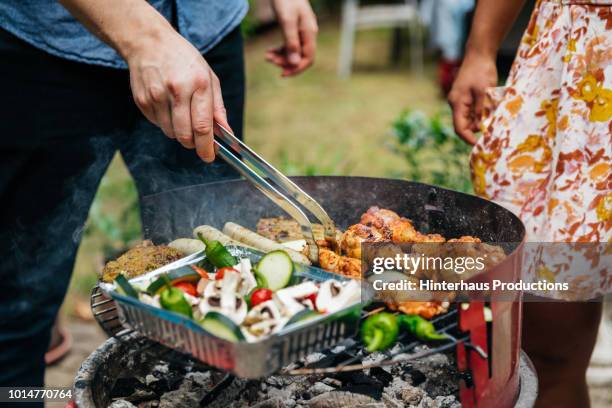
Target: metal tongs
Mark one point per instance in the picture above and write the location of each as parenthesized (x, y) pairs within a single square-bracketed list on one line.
[(261, 173)]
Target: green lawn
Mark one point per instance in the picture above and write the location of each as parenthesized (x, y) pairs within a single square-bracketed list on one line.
[(311, 124)]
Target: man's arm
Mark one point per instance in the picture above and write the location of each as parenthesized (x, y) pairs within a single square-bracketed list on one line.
[(492, 21), (171, 82)]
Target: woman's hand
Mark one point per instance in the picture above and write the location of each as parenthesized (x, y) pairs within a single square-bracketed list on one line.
[(299, 25), (477, 73), (176, 89)]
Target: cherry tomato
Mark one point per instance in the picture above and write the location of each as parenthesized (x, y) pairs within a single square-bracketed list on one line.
[(260, 295), (313, 299), (201, 271), (221, 272), (187, 287)]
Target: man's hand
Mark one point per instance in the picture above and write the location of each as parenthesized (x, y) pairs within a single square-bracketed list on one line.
[(299, 25), (477, 73), (171, 82), (177, 90)]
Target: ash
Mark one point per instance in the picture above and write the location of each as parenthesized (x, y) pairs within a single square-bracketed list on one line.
[(430, 382)]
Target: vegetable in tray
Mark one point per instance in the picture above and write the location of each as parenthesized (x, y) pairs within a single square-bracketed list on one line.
[(237, 301)]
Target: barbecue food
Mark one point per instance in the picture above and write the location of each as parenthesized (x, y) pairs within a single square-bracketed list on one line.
[(239, 233), (424, 309), (282, 229), (342, 265), (143, 258)]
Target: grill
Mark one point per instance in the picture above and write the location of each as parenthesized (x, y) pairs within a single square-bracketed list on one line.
[(486, 355)]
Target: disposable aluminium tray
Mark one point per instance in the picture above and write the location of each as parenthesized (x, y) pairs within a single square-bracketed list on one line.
[(243, 359)]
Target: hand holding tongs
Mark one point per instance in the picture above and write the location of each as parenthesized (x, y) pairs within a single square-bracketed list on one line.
[(241, 157)]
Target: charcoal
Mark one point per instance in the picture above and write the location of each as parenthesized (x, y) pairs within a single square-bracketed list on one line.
[(411, 395), (125, 387), (121, 404), (179, 398), (381, 375), (149, 404), (417, 377), (329, 360), (333, 382), (319, 388), (270, 403), (339, 399), (447, 401), (373, 391)]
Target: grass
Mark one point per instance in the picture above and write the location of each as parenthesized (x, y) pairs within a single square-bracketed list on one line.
[(315, 123)]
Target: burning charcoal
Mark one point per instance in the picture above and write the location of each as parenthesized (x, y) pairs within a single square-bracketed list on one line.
[(319, 388), (382, 375), (339, 399), (121, 404)]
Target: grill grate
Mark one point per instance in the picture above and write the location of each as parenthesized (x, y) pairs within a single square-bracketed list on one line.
[(353, 352)]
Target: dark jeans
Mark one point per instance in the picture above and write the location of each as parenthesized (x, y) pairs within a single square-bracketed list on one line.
[(60, 124)]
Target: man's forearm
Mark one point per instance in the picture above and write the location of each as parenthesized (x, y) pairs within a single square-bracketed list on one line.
[(492, 21), (125, 25)]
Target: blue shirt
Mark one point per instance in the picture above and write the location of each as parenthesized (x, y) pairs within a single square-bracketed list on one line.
[(49, 26)]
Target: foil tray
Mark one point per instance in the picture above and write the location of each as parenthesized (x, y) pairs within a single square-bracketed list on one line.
[(244, 359)]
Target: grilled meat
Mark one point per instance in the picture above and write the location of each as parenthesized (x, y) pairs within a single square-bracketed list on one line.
[(139, 260), (423, 309), (355, 235), (343, 265), (282, 229)]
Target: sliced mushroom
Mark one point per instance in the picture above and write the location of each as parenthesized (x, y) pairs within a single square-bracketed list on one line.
[(248, 282), (264, 319), (334, 295), (222, 296), (292, 299)]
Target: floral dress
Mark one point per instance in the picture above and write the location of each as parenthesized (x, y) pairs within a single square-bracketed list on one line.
[(546, 149)]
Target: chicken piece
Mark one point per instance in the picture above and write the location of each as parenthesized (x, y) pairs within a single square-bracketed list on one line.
[(400, 229), (426, 310), (339, 264), (379, 217), (355, 235), (465, 238), (430, 238), (143, 258)]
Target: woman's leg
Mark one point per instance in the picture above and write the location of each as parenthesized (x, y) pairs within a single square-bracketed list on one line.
[(559, 338)]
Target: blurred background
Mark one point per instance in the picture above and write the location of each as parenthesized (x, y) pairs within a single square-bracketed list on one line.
[(372, 105)]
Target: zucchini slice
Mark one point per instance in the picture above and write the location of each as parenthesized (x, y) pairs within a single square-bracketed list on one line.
[(124, 287), (221, 326), (302, 315), (274, 270)]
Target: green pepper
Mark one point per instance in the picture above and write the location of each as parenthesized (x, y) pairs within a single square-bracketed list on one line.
[(217, 254), (379, 331), (421, 328), (173, 299)]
